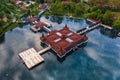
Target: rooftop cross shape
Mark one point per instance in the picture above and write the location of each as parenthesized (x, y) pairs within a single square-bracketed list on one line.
[(62, 41)]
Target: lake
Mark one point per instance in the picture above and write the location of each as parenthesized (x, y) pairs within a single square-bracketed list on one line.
[(98, 60)]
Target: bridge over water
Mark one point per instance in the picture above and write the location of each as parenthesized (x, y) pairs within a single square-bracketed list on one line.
[(89, 28)]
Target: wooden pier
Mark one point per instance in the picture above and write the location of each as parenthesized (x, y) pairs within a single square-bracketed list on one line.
[(32, 58), (91, 20), (106, 26), (44, 50), (89, 28), (47, 29), (103, 25)]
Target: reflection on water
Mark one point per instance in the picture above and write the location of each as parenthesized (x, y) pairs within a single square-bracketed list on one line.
[(110, 33), (98, 60), (68, 54), (56, 19), (2, 38)]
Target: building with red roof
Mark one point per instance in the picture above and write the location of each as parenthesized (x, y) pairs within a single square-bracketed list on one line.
[(39, 26), (43, 6), (63, 41), (31, 19)]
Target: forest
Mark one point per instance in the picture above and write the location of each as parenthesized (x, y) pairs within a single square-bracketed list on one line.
[(108, 11)]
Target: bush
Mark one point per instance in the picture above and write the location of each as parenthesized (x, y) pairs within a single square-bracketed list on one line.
[(94, 8), (108, 17), (116, 24)]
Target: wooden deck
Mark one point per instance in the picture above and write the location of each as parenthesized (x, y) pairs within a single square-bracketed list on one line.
[(90, 20), (32, 58), (44, 50), (105, 26)]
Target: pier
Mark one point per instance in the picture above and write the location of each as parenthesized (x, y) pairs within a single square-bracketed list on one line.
[(44, 50), (44, 7), (106, 26), (47, 29), (41, 12), (103, 25), (32, 58), (89, 28), (91, 20)]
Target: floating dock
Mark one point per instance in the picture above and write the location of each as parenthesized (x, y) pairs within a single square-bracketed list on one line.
[(32, 58)]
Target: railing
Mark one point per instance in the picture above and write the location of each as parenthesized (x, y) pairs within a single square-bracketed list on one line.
[(89, 28), (46, 29)]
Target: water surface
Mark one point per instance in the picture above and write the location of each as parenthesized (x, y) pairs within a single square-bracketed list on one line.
[(98, 60)]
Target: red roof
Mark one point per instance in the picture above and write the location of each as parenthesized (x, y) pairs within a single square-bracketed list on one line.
[(43, 6), (40, 24), (63, 40), (31, 19), (15, 1)]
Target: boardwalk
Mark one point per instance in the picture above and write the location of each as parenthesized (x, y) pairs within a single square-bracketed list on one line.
[(44, 50), (89, 28), (91, 20), (106, 26), (94, 21), (103, 25), (47, 29), (32, 58)]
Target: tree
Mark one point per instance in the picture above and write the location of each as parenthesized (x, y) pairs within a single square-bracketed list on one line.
[(108, 17), (116, 25), (80, 9), (94, 8), (56, 9)]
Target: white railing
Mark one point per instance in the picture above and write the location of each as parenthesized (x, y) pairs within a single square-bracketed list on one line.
[(89, 28)]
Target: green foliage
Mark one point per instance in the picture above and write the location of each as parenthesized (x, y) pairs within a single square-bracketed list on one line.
[(94, 8), (69, 9), (108, 17), (10, 11), (99, 9), (91, 15), (1, 14), (56, 9), (94, 13), (116, 25)]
